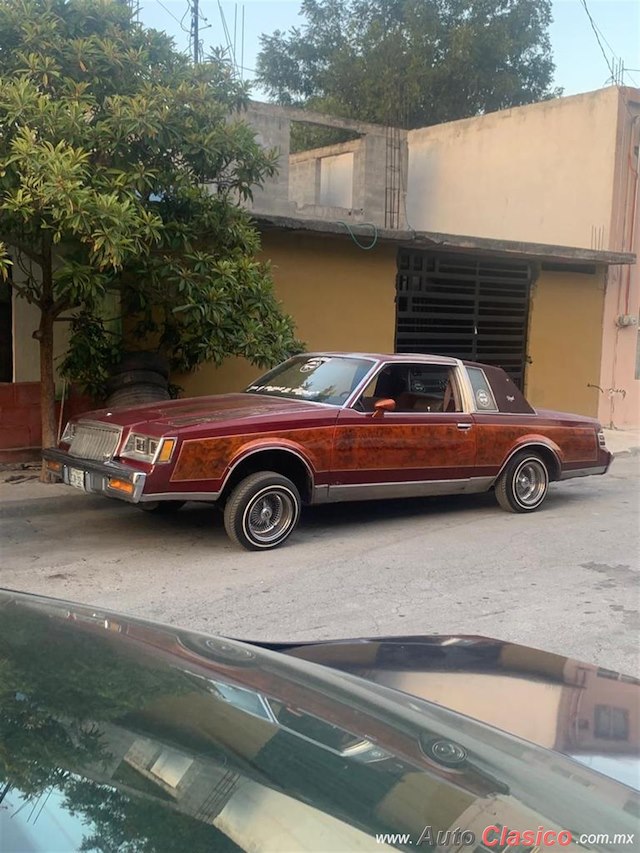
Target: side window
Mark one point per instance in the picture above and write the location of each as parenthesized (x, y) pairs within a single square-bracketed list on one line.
[(419, 388), (611, 723), (482, 394)]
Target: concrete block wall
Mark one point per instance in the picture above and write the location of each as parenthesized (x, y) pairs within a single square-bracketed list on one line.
[(296, 190), (304, 180), (272, 131)]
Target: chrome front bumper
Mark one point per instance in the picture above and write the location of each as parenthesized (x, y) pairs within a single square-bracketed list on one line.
[(95, 477)]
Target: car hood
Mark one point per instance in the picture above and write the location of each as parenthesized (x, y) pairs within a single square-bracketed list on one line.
[(112, 727), (174, 414)]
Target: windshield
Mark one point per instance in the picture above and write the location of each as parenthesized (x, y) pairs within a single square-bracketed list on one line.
[(319, 378)]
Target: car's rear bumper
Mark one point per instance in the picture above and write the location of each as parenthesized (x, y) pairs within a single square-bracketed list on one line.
[(112, 479)]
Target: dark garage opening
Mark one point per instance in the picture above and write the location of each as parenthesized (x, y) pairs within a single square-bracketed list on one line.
[(465, 307)]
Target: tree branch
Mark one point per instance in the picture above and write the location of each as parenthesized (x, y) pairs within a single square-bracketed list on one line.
[(12, 241)]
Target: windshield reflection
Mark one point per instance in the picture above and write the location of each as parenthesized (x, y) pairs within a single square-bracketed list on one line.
[(319, 379), (120, 736)]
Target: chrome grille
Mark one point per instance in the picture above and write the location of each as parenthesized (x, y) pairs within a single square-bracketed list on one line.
[(94, 441)]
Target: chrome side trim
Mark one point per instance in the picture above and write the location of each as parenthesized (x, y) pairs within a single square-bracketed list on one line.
[(466, 389), (583, 472), (408, 489), (320, 494), (180, 496), (528, 446)]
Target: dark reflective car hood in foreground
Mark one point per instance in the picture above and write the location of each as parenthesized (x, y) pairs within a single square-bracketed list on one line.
[(119, 734)]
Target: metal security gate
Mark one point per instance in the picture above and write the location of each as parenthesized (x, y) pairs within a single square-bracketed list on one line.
[(465, 307)]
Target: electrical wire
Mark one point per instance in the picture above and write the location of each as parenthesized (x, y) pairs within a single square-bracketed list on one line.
[(170, 13), (227, 35), (597, 34), (374, 238)]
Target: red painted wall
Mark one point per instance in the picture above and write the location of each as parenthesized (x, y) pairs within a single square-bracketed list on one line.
[(20, 433)]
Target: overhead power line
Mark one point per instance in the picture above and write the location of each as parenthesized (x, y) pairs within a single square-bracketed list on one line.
[(597, 34), (170, 13)]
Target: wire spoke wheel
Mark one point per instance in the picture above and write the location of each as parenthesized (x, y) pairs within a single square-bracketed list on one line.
[(262, 511), (269, 515)]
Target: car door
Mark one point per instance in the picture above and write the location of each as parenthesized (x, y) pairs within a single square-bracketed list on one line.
[(425, 446)]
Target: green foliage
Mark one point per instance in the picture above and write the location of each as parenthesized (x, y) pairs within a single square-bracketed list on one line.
[(127, 824), (411, 63), (93, 350), (121, 171)]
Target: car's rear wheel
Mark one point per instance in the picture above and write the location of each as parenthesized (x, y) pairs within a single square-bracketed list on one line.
[(161, 507), (524, 483), (262, 511)]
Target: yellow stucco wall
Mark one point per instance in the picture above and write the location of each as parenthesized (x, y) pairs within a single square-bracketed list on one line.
[(341, 298), (26, 349), (565, 341)]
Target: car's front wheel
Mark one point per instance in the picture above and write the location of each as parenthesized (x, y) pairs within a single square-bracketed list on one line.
[(262, 511), (524, 483)]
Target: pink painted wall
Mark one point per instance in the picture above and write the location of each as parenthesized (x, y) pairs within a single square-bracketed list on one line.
[(619, 404)]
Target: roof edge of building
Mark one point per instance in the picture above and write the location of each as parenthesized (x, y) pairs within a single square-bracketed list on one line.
[(441, 241)]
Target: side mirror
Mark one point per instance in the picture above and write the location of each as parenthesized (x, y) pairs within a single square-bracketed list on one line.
[(382, 406)]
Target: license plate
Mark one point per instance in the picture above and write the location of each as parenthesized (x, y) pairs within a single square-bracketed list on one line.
[(76, 478)]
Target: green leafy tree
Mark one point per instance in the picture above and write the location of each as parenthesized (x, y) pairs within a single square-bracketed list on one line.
[(122, 169), (125, 823), (411, 63)]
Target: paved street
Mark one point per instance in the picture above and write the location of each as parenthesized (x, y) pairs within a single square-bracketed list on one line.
[(564, 579)]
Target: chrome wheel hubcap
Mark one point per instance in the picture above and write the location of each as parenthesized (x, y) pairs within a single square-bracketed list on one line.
[(530, 483), (270, 515)]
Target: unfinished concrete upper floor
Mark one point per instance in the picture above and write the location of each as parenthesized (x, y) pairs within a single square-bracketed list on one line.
[(361, 180), (561, 171)]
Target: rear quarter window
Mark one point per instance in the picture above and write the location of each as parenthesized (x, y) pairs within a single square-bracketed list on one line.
[(503, 394), (482, 393)]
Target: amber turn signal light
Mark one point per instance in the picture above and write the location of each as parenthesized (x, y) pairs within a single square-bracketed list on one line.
[(54, 466), (122, 486), (166, 450)]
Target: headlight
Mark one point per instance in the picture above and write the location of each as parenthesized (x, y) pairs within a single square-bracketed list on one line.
[(148, 449), (602, 441), (69, 432)]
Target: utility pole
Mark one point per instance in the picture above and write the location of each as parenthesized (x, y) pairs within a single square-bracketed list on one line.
[(195, 15)]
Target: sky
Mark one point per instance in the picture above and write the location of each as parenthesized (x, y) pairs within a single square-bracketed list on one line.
[(580, 65)]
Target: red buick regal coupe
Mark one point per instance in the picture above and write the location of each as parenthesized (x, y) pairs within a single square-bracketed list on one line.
[(331, 427)]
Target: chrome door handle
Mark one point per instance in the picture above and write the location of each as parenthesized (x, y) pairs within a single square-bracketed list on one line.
[(464, 426)]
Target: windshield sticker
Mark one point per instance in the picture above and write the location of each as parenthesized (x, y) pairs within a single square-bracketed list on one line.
[(483, 399), (312, 364), (284, 389)]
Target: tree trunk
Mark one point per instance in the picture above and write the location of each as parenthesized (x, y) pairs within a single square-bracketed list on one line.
[(47, 379)]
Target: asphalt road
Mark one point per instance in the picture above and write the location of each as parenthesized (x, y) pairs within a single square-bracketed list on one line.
[(565, 579)]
